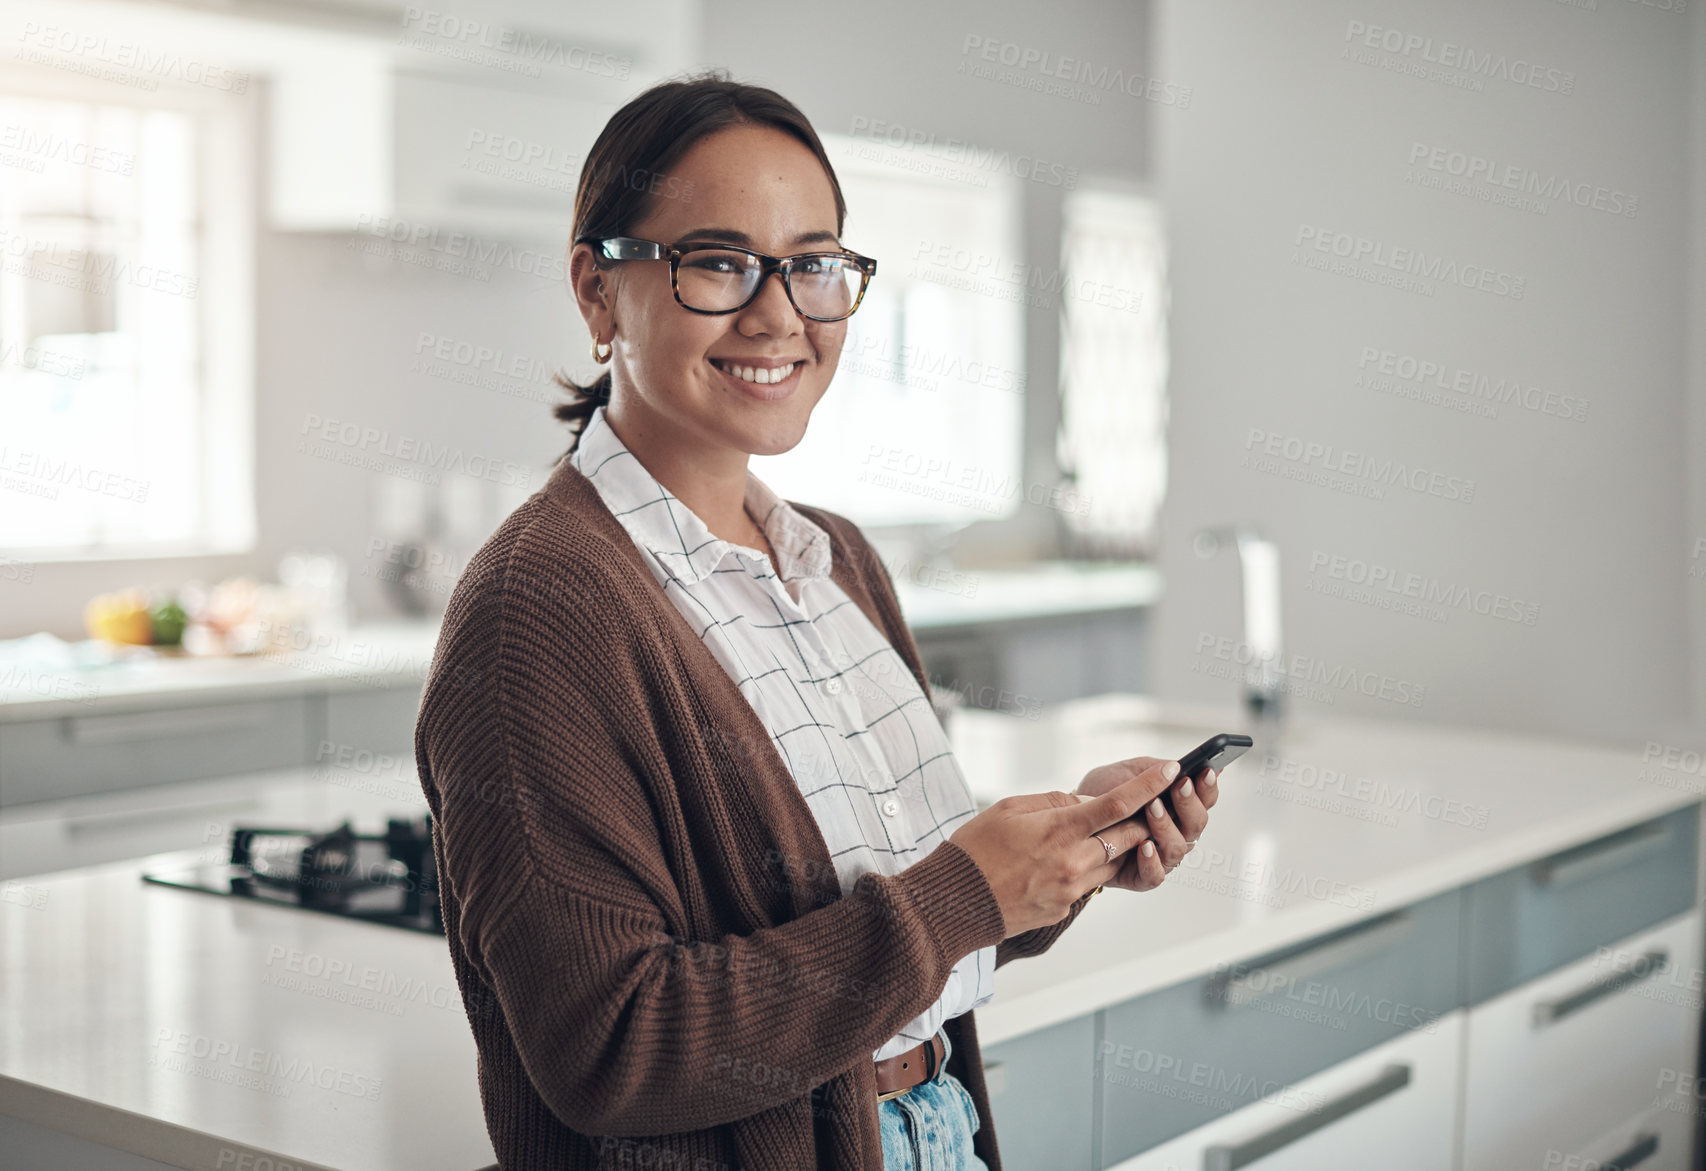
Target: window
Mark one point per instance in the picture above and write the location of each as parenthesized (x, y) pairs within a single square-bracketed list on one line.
[(1113, 361), (125, 319), (923, 423)]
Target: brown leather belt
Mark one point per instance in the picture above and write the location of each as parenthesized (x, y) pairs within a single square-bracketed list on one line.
[(904, 1071)]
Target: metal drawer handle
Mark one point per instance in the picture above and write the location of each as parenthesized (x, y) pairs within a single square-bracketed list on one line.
[(1548, 1012), (1642, 1149), (1225, 1157), (1289, 969), (1608, 853), (158, 725)]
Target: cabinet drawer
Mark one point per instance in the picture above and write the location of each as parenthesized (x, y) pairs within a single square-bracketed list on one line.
[(377, 720), (76, 756), (1657, 1140), (1534, 918), (1555, 1063), (1177, 1058), (1041, 1093), (1392, 1108)]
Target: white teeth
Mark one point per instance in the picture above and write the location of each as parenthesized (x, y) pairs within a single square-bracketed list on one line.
[(760, 375)]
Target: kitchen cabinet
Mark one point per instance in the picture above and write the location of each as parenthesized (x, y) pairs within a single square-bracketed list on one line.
[(93, 787), (1041, 1095), (102, 752), (1364, 1046), (359, 145), (1186, 1055), (1392, 1107), (1622, 1021)]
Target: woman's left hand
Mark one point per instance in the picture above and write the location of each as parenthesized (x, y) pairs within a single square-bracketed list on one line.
[(1173, 840)]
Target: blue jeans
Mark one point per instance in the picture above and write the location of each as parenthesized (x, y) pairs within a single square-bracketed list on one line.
[(929, 1127)]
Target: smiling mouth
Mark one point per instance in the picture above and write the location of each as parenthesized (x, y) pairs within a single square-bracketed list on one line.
[(758, 375)]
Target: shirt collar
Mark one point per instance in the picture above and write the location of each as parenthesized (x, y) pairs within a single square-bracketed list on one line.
[(658, 520)]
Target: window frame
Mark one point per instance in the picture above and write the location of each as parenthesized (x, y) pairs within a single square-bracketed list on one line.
[(226, 129)]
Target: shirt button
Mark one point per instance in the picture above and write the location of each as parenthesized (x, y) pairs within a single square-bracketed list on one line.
[(833, 686), (891, 807)]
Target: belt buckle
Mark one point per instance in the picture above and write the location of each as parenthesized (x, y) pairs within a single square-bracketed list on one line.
[(935, 1074)]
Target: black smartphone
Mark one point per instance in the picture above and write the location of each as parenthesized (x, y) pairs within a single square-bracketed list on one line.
[(1216, 752)]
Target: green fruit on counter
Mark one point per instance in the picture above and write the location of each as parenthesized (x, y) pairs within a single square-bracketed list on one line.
[(169, 621)]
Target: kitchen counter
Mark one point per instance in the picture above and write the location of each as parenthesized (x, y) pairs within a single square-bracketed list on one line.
[(1326, 822), (112, 989), (391, 654), (211, 1032), (362, 657)]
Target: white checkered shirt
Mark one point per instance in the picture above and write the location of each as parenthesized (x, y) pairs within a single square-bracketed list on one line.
[(843, 710)]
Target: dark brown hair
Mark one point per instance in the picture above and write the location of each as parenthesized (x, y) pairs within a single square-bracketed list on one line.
[(628, 169)]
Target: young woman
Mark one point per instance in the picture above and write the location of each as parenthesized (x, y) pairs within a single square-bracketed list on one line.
[(716, 891)]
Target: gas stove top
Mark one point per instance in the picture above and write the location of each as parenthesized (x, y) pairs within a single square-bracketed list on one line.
[(388, 878)]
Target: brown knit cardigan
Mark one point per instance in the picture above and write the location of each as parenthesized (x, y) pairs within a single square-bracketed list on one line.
[(652, 946)]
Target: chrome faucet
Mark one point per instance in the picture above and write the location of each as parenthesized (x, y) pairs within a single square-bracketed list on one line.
[(1258, 559)]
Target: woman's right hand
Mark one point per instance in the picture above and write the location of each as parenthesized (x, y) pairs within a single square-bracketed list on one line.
[(1037, 851)]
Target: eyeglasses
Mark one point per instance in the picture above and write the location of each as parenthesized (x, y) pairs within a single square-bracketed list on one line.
[(720, 278)]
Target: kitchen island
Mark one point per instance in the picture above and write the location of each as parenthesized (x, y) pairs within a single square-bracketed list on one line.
[(203, 1032)]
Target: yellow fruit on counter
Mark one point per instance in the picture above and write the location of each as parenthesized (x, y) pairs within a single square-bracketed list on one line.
[(120, 617)]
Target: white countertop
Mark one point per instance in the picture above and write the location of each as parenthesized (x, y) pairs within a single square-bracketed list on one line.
[(378, 655), (972, 597), (397, 654), (1273, 869), (101, 975), (135, 1015)]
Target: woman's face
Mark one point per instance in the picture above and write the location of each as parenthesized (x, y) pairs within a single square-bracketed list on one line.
[(762, 189)]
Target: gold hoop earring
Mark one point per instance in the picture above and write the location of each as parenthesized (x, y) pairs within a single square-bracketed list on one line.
[(609, 349)]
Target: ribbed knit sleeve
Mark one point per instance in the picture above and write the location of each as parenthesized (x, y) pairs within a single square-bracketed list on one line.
[(576, 840)]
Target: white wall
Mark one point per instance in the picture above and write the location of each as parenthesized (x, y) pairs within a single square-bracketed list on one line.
[(1582, 519), (1697, 378)]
